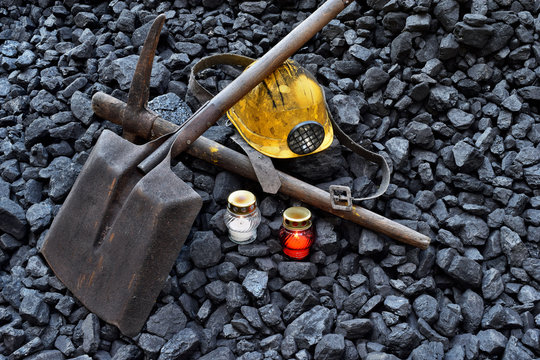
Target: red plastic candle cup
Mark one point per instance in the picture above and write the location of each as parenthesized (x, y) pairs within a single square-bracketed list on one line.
[(296, 234)]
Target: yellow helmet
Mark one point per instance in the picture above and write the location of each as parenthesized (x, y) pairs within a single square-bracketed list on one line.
[(285, 116)]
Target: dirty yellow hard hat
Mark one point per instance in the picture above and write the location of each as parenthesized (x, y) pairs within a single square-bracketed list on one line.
[(286, 115)]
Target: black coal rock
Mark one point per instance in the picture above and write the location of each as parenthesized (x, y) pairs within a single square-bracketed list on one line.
[(514, 350), (492, 284), (442, 98), (402, 338), (447, 12), (398, 305), (61, 172), (182, 344), (90, 333), (500, 317), (34, 309), (221, 353), (331, 346), (513, 247), (425, 307), (167, 321), (85, 19), (310, 327), (449, 319), (347, 110), (354, 328), (467, 157), (460, 119), (398, 149), (255, 283), (375, 78), (531, 338), (193, 280), (401, 47), (171, 108), (81, 107), (270, 314), (491, 341), (431, 350), (123, 68), (45, 103), (460, 267), (419, 134), (471, 229), (236, 296), (474, 36), (205, 249), (12, 218), (369, 243), (290, 271), (532, 266)]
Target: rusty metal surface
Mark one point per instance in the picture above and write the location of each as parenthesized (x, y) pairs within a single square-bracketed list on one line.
[(140, 84), (116, 237), (119, 231)]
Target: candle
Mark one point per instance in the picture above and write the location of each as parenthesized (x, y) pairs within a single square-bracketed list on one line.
[(242, 217), (296, 233)]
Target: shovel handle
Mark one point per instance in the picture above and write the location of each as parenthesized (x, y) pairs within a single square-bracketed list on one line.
[(276, 56), (156, 156), (152, 160), (258, 71), (109, 107)]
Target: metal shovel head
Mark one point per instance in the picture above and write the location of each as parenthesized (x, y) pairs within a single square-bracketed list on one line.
[(117, 235)]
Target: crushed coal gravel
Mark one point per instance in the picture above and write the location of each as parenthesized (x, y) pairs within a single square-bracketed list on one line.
[(448, 91)]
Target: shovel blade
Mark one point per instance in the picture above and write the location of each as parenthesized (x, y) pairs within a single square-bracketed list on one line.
[(118, 234)]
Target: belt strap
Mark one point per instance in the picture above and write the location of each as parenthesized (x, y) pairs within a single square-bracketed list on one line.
[(199, 91), (337, 190), (340, 195)]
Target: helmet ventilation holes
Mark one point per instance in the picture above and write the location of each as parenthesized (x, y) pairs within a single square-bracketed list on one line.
[(285, 116), (305, 137)]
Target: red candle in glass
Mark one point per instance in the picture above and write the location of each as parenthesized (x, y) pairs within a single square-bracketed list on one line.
[(296, 234)]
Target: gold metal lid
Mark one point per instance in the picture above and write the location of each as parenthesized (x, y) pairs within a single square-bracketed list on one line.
[(241, 202), (297, 218)]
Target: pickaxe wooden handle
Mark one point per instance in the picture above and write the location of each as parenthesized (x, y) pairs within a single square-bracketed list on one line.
[(110, 108), (138, 121)]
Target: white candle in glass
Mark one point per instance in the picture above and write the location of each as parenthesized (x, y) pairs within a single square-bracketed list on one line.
[(242, 217)]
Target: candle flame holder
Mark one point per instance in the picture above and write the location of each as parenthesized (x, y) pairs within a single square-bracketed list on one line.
[(296, 233), (242, 217)]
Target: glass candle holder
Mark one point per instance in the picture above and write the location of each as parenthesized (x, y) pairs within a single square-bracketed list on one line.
[(296, 233), (242, 217)]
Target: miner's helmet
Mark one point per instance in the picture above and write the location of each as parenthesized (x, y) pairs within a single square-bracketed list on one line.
[(286, 115)]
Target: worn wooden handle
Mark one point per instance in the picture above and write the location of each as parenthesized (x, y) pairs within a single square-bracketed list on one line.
[(258, 71), (233, 161), (110, 108)]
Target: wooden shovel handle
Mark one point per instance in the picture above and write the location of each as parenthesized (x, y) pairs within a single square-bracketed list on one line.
[(259, 70), (109, 108)]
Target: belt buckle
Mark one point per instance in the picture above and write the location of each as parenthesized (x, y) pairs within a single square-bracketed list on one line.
[(340, 197)]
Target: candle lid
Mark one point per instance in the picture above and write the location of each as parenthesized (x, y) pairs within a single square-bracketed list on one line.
[(297, 218), (241, 202)]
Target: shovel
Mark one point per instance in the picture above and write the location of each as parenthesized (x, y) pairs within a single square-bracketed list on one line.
[(119, 231)]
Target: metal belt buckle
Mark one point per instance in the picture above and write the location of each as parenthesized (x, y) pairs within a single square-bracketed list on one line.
[(340, 194)]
